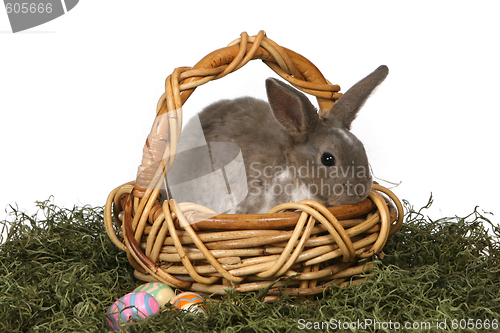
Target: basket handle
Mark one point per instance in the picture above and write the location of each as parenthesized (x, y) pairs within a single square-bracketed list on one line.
[(160, 147)]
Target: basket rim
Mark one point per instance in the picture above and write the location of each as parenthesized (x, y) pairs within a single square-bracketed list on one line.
[(277, 220)]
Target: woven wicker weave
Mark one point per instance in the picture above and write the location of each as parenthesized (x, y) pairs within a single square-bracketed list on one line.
[(178, 244)]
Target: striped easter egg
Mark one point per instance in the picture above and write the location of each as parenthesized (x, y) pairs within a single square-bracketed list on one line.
[(161, 292), (133, 306), (189, 301)]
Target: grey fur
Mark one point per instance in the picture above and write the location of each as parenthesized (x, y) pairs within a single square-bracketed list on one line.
[(281, 143)]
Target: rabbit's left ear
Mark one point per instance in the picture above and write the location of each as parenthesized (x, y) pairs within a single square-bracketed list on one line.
[(346, 108), (292, 109)]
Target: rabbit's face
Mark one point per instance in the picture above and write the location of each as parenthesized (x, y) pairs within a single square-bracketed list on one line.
[(327, 158), (337, 166)]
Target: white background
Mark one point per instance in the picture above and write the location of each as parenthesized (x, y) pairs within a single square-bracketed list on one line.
[(78, 94)]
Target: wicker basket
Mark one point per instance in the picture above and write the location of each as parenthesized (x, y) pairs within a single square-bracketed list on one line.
[(296, 248)]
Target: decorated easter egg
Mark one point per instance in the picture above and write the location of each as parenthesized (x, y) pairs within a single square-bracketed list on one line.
[(189, 301), (131, 307), (161, 292)]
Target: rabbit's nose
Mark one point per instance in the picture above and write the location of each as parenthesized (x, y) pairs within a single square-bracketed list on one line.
[(357, 192), (351, 194), (360, 191), (354, 190)]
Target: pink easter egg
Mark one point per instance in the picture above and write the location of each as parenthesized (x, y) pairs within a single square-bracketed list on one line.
[(131, 307)]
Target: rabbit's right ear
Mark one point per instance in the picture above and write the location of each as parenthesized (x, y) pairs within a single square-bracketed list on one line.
[(292, 109), (345, 109)]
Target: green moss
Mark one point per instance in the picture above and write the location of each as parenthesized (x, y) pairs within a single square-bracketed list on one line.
[(59, 272)]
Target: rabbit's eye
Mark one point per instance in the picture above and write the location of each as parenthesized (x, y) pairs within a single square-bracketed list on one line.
[(327, 159)]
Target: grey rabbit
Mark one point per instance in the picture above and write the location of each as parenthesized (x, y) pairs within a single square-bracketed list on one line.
[(247, 156)]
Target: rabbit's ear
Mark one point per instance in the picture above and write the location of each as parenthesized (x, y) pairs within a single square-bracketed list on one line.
[(292, 109), (346, 108)]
